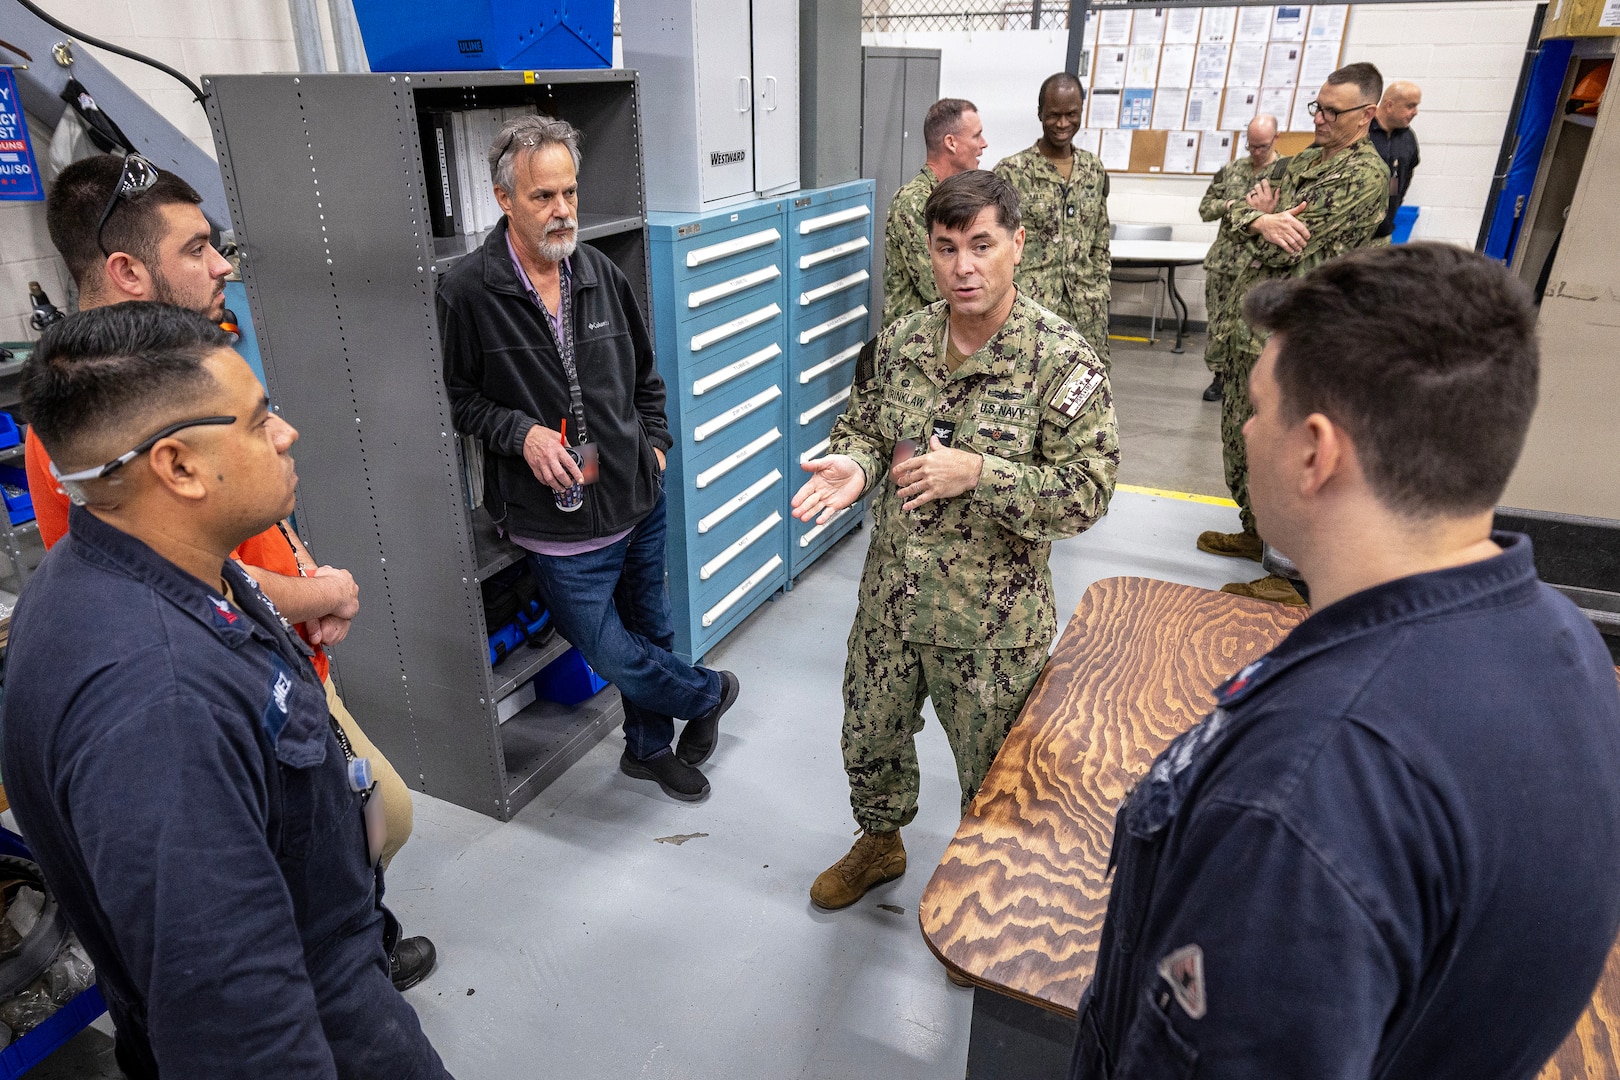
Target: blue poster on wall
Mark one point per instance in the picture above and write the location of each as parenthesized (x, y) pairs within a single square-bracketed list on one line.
[(19, 175)]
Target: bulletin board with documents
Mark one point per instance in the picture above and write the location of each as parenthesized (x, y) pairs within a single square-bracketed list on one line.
[(1172, 90)]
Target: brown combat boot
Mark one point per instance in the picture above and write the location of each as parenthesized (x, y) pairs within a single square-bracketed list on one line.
[(875, 858), (1279, 590), (1238, 545)]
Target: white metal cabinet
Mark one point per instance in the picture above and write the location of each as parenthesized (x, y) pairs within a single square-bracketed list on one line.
[(776, 95), (722, 42), (720, 94)]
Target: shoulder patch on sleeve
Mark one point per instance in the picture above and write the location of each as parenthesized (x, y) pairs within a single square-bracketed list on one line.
[(866, 364), (1072, 394)]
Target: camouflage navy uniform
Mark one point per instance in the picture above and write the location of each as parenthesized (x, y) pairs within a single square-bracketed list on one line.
[(908, 272), (1066, 263), (956, 598), (1231, 184), (1346, 196)]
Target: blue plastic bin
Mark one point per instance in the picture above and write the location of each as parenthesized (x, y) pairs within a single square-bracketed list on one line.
[(10, 433), (14, 488), (1405, 218), (568, 680), (477, 35)]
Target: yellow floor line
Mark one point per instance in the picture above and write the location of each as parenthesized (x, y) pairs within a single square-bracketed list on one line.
[(1185, 496), (1122, 337)]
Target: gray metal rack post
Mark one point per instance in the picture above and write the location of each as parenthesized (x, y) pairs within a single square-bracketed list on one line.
[(324, 178)]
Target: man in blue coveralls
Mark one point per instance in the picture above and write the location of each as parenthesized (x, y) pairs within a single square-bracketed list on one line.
[(168, 748), (1390, 850)]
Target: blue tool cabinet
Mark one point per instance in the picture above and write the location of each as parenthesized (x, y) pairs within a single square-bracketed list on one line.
[(829, 282), (719, 306), (758, 314)]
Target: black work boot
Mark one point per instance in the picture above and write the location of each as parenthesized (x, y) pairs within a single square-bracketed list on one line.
[(411, 962), (1216, 389)]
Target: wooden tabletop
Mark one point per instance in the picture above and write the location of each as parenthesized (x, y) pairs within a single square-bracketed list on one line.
[(1017, 902)]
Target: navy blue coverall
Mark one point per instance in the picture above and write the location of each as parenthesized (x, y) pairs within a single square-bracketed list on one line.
[(171, 762), (1393, 850)]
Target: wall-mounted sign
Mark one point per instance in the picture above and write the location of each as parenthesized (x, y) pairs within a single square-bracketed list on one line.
[(19, 174)]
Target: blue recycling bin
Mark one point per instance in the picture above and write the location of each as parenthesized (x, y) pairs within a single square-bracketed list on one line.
[(480, 35), (1405, 218)]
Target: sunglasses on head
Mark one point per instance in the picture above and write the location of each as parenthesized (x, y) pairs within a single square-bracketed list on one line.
[(139, 176)]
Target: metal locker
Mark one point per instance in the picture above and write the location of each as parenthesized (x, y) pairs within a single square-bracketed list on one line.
[(898, 85)]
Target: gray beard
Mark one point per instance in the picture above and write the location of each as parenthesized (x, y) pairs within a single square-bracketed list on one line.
[(557, 250)]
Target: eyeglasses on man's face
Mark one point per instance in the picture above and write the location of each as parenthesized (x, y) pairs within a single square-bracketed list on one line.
[(1333, 114), (139, 176)]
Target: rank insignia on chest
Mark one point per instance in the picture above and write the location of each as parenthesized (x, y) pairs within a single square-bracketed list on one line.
[(1076, 390), (1068, 211)]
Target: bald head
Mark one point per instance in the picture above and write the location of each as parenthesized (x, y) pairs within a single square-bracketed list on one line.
[(1399, 105), (1262, 140)]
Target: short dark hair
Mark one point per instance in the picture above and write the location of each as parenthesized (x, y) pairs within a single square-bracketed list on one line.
[(80, 194), (1425, 354), (1062, 78), (944, 117), (102, 369), (957, 201), (1364, 76)]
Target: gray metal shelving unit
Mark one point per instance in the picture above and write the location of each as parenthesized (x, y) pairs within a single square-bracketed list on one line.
[(324, 178)]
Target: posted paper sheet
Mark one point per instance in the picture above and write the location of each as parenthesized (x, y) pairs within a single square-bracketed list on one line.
[(1242, 102), (1176, 65), (1215, 151), (1116, 150), (1209, 69), (1169, 108), (1181, 152), (1217, 25), (1203, 109), (1104, 109), (1181, 26)]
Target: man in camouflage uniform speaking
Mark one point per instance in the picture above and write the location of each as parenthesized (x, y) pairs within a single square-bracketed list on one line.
[(1229, 187), (1330, 200), (1063, 193), (954, 136), (994, 421)]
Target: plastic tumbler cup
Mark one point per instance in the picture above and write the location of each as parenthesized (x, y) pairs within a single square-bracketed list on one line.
[(571, 498)]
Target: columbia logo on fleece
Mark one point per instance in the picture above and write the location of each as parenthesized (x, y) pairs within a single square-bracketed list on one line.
[(596, 325)]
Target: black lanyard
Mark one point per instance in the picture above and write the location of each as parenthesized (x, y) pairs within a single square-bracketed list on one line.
[(563, 338)]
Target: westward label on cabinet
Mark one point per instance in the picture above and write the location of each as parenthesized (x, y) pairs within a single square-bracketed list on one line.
[(727, 157)]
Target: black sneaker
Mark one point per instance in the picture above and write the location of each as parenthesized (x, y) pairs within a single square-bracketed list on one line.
[(678, 779), (699, 737), (1216, 389), (412, 961)]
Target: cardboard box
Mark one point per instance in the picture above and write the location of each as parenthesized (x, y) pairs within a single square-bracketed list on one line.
[(1582, 18)]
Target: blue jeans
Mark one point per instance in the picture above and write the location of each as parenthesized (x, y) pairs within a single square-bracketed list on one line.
[(613, 606)]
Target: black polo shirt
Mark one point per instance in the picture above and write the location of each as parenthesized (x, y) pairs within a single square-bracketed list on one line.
[(171, 762), (1389, 852)]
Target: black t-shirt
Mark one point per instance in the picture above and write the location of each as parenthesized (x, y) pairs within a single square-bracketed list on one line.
[(1399, 149)]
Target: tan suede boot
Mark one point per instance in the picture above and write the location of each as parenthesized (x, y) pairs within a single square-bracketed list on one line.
[(1238, 545), (875, 858), (1279, 590)]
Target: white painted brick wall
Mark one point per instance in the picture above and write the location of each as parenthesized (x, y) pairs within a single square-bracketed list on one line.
[(194, 36), (1465, 55)]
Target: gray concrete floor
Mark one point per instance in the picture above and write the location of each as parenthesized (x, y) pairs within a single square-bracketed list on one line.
[(608, 932)]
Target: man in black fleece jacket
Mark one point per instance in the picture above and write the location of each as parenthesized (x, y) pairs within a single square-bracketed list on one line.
[(544, 346)]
